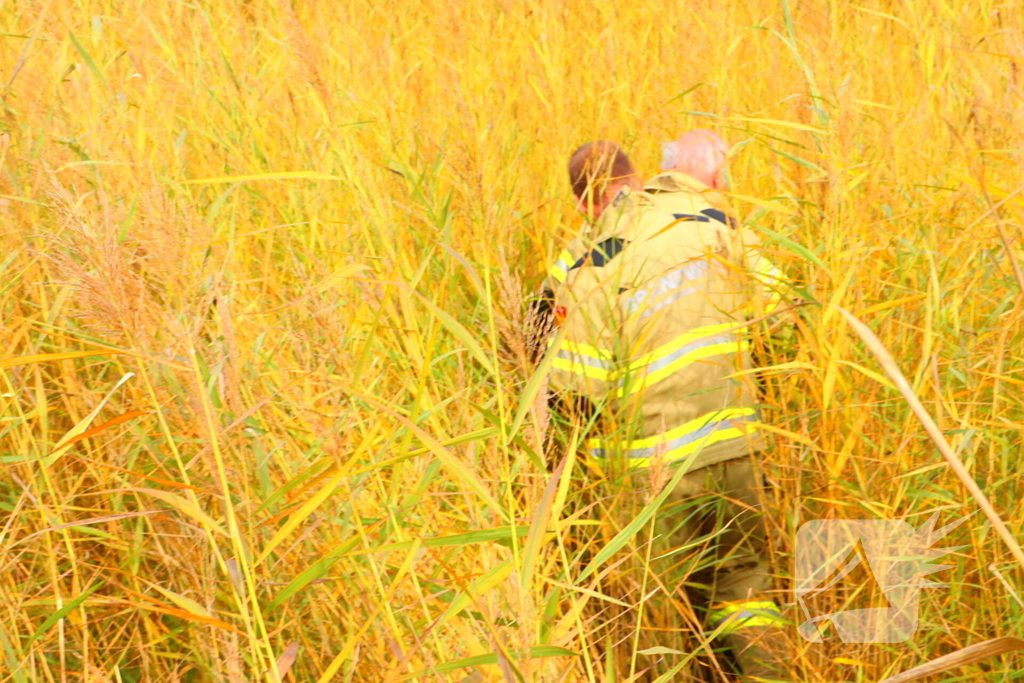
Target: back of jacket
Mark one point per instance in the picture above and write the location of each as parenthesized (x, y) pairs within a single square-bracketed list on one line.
[(652, 332)]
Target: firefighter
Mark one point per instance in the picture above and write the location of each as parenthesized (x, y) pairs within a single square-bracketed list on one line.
[(651, 317), (603, 158)]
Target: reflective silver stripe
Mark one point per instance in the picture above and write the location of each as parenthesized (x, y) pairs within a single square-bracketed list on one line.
[(689, 348), (581, 359), (669, 446), (560, 269)]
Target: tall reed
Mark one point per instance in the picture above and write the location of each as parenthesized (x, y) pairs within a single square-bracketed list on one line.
[(265, 409)]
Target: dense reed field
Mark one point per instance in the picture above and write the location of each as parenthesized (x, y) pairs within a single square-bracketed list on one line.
[(265, 412)]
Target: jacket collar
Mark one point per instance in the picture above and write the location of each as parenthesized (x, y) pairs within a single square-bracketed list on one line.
[(676, 181)]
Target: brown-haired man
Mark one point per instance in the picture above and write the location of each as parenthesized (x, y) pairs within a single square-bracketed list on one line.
[(599, 172), (651, 304)]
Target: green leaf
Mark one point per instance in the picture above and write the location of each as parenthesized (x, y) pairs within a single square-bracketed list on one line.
[(16, 667), (314, 571), (483, 584), (88, 60), (514, 438), (474, 277), (631, 529), (297, 518), (499, 533), (126, 224), (803, 251), (686, 92), (278, 175), (315, 469), (536, 652), (453, 464), (803, 162), (64, 611), (461, 333)]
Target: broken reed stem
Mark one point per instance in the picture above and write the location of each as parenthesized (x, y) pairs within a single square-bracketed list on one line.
[(888, 363), (962, 657)]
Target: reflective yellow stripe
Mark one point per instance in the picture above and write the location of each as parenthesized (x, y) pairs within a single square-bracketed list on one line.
[(701, 352), (696, 334), (687, 355), (680, 452), (753, 613), (560, 270), (691, 426), (687, 348), (575, 364), (583, 359), (586, 350), (720, 425)]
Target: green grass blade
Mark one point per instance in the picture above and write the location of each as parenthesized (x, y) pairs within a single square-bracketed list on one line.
[(536, 652), (795, 247), (15, 665), (460, 333), (499, 533), (803, 162), (87, 58), (313, 572), (454, 465), (279, 175), (483, 584), (631, 529), (315, 469), (539, 526), (67, 609)]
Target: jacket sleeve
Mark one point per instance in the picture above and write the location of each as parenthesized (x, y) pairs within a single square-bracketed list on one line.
[(583, 357), (559, 270), (540, 306)]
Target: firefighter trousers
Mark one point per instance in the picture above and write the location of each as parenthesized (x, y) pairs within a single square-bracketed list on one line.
[(717, 554)]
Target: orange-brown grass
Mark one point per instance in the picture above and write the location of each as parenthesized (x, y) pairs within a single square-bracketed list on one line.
[(307, 230)]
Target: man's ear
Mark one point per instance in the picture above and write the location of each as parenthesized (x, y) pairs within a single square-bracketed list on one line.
[(719, 183), (581, 205), (586, 205)]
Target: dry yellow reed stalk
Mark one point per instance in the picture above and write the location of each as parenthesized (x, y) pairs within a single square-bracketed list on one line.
[(962, 657), (888, 363)]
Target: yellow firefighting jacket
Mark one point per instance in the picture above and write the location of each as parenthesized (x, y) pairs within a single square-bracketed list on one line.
[(668, 182), (653, 332)]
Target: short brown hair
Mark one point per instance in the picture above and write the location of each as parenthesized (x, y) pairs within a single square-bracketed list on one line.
[(596, 164)]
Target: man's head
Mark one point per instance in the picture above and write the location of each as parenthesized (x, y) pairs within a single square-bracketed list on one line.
[(698, 153), (597, 171)]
